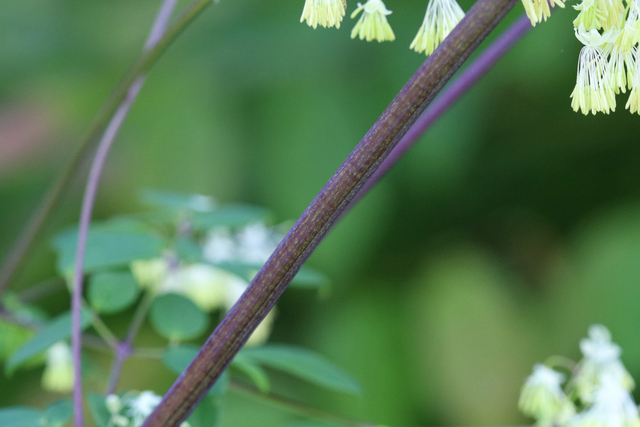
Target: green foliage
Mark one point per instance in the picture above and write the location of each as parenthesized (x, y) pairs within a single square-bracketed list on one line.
[(253, 371), (21, 417), (178, 202), (177, 318), (111, 292), (108, 246), (206, 414), (303, 364), (58, 329), (12, 337), (99, 409), (229, 216), (58, 413)]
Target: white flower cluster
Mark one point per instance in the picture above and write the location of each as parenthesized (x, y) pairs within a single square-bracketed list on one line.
[(608, 63), (600, 385), (441, 17), (210, 287), (132, 409)]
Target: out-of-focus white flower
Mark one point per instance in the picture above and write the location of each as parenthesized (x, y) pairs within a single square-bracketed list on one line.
[(140, 407), (150, 272), (612, 406), (256, 243), (543, 399), (132, 408), (219, 246), (207, 286), (601, 358), (58, 371), (253, 244)]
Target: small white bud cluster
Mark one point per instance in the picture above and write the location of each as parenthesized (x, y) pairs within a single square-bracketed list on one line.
[(131, 409), (599, 384), (207, 285)]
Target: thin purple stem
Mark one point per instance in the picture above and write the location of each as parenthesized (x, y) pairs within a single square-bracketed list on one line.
[(469, 77), (97, 166), (126, 346)]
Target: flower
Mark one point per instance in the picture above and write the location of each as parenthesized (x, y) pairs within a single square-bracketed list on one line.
[(149, 273), (542, 397), (633, 103), (219, 246), (373, 22), (612, 406), (207, 286), (593, 91), (442, 16), (601, 358), (327, 13), (600, 14), (253, 244), (58, 371), (621, 59), (132, 408), (538, 10)]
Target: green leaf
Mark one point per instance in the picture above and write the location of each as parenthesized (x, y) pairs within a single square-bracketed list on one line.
[(178, 358), (178, 201), (12, 337), (58, 329), (58, 413), (21, 417), (206, 414), (99, 409), (108, 246), (188, 250), (305, 365), (255, 373), (229, 216), (111, 292), (308, 278), (177, 318)]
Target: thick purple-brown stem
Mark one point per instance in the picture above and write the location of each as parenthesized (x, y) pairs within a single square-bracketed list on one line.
[(326, 208)]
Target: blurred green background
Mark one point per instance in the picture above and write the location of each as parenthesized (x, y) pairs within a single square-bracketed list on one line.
[(512, 226)]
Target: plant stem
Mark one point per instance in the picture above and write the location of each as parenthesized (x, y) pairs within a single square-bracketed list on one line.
[(95, 173), (17, 255), (295, 407), (124, 348), (470, 76), (324, 211)]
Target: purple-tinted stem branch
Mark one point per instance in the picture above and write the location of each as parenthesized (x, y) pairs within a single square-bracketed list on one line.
[(469, 77), (16, 257), (125, 348), (95, 172), (267, 286)]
